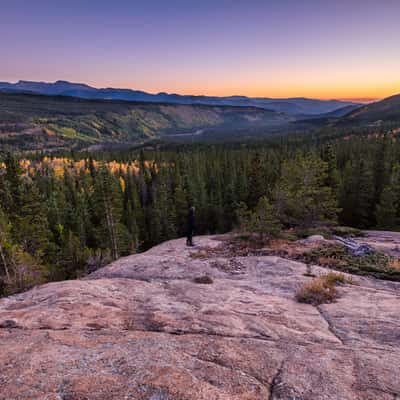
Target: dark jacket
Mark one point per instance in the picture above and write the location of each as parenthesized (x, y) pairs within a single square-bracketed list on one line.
[(190, 221)]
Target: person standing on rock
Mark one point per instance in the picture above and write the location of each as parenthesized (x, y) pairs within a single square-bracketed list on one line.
[(190, 227)]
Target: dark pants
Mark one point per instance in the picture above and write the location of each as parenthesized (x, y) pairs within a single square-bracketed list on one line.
[(189, 237)]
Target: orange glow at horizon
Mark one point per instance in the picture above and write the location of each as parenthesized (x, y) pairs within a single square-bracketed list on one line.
[(349, 92), (342, 49), (333, 81)]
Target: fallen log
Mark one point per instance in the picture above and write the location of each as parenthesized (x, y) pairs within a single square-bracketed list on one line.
[(356, 249)]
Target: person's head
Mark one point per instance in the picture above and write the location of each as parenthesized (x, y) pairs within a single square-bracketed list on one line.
[(192, 209)]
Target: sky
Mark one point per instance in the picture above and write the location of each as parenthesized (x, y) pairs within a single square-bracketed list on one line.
[(343, 49)]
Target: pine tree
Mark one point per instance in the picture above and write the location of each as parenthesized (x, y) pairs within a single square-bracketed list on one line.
[(386, 215), (4, 244), (380, 173), (14, 183), (133, 217), (72, 257), (364, 208), (181, 205), (257, 184), (348, 195), (388, 209), (302, 197), (19, 270), (30, 226), (163, 210), (264, 221), (242, 216), (108, 204), (332, 173)]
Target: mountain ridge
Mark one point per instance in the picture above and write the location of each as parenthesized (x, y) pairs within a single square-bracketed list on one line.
[(32, 121), (292, 106), (387, 109)]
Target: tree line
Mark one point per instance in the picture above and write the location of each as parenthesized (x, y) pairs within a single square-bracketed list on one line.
[(61, 220)]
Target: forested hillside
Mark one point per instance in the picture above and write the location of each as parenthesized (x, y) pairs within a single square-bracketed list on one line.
[(64, 216), (30, 122), (381, 112), (34, 122)]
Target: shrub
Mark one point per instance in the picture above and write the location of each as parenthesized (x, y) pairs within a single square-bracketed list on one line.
[(322, 289), (316, 292), (261, 221), (242, 217), (333, 278), (203, 280), (347, 231), (378, 265), (395, 264)]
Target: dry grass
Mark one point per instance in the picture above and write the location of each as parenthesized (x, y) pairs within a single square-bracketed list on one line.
[(203, 253), (146, 321), (243, 246), (316, 292), (395, 264), (237, 246), (331, 262), (334, 278), (322, 289), (377, 264)]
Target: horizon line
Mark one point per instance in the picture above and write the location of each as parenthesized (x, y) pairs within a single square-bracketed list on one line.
[(357, 99)]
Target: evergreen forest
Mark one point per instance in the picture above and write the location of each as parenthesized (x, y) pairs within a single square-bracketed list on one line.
[(65, 215)]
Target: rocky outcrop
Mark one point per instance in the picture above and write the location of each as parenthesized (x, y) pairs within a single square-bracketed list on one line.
[(387, 242), (142, 328)]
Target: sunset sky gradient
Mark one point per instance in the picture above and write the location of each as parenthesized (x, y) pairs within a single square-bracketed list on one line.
[(282, 48)]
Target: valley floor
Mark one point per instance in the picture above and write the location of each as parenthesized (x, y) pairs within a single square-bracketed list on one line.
[(142, 328)]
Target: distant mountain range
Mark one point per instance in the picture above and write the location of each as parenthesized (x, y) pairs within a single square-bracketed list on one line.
[(30, 120), (292, 106)]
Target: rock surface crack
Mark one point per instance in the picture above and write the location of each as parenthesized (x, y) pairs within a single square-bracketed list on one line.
[(331, 327), (276, 382)]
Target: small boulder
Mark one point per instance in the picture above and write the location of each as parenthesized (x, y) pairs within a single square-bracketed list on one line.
[(313, 239)]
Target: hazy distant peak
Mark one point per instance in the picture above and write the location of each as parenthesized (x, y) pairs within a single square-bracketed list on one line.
[(385, 110), (293, 106)]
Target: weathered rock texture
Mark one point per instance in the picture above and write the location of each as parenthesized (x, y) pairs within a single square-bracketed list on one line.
[(141, 328), (387, 242)]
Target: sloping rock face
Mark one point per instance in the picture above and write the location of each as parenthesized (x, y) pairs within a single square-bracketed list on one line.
[(142, 328), (386, 242)]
